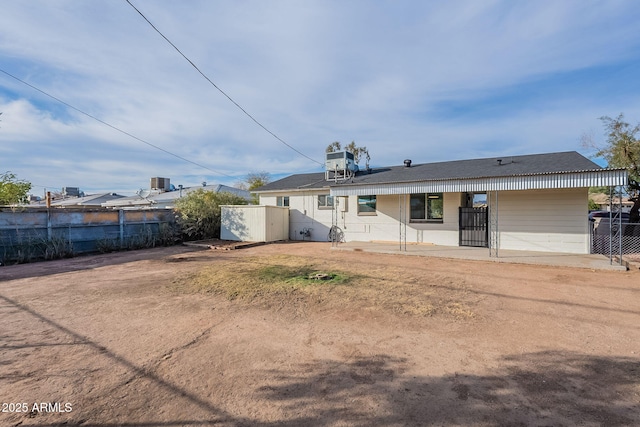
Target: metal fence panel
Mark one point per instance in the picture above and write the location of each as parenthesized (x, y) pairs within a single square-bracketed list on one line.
[(35, 233), (621, 238)]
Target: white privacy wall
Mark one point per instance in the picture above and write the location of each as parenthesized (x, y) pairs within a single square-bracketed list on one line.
[(544, 220)]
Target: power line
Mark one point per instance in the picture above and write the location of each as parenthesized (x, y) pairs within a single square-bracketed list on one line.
[(113, 127), (220, 90)]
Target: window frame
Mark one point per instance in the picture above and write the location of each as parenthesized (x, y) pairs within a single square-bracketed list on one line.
[(371, 198), (427, 213), (434, 196), (423, 210), (326, 204), (282, 201)]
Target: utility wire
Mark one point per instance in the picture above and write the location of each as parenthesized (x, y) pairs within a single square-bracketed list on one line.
[(113, 127), (218, 88)]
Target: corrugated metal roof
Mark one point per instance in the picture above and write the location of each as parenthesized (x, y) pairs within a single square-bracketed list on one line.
[(169, 197), (550, 170), (602, 177)]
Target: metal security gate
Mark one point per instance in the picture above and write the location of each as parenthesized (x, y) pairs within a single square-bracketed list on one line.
[(474, 229)]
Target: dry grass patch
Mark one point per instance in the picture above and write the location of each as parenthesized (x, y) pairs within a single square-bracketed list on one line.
[(288, 281)]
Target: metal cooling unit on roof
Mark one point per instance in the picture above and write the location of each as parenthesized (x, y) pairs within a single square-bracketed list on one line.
[(71, 191), (162, 184), (339, 165)]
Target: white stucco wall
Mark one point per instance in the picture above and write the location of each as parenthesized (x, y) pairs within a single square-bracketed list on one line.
[(445, 233), (304, 214), (536, 220), (383, 226), (544, 220)]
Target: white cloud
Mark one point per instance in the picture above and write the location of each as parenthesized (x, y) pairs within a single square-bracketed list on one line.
[(312, 72)]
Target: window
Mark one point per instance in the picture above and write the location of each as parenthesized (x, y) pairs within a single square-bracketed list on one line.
[(366, 205), (434, 206), (417, 206), (427, 207), (282, 201), (325, 202)]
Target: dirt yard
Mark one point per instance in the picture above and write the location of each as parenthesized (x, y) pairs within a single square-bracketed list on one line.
[(161, 338)]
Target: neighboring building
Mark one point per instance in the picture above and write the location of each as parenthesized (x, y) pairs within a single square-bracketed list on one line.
[(158, 198), (602, 200), (535, 202), (90, 201)]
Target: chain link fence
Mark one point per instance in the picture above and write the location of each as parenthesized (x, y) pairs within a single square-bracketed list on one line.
[(615, 238)]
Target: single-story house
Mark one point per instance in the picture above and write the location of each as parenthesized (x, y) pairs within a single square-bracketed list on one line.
[(533, 202), (161, 199)]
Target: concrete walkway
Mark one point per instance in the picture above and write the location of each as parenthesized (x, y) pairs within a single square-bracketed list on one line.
[(591, 261)]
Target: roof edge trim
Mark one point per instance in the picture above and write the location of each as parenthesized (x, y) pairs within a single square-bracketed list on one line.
[(556, 180)]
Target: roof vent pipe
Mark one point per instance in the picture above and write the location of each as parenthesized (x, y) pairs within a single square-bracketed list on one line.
[(407, 163), (499, 162)]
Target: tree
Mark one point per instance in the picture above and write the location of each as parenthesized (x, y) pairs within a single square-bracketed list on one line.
[(198, 213), (252, 181), (358, 152), (622, 150), (598, 190), (334, 146), (13, 190), (257, 179)]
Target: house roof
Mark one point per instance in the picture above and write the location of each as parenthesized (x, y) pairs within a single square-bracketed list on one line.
[(169, 197), (604, 199), (90, 200), (476, 174)]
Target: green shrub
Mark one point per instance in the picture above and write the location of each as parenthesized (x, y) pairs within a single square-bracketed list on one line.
[(198, 213)]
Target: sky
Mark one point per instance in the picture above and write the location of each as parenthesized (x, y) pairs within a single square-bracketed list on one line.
[(88, 89)]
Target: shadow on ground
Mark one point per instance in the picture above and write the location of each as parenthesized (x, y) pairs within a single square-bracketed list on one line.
[(543, 388), (92, 261), (546, 388)]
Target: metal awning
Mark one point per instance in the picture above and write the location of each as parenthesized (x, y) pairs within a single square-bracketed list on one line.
[(578, 179)]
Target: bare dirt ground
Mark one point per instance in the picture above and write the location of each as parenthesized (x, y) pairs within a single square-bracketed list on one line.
[(129, 339)]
